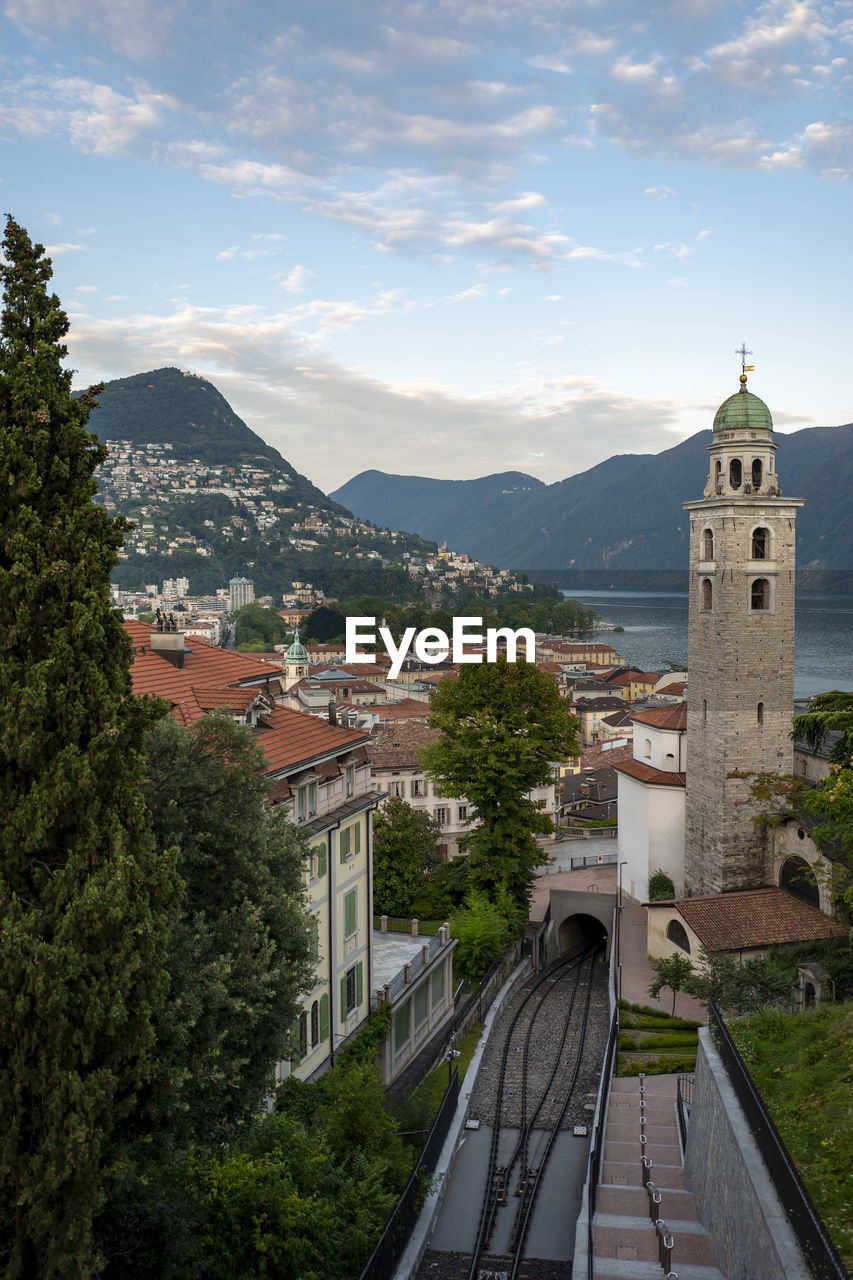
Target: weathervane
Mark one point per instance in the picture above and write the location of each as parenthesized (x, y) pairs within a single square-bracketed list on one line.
[(744, 367)]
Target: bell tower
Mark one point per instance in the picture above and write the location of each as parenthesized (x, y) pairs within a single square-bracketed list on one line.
[(295, 664), (740, 693)]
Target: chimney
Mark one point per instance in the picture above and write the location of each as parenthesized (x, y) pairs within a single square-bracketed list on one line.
[(167, 641)]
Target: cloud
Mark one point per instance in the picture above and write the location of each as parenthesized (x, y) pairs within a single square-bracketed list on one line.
[(296, 279), (66, 246), (659, 193), (332, 421)]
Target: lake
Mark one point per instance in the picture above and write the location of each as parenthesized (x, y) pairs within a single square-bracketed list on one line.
[(656, 631)]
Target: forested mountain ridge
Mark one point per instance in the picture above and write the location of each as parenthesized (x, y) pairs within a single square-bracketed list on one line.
[(623, 514)]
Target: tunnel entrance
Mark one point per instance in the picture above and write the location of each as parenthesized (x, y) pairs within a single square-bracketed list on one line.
[(580, 929)]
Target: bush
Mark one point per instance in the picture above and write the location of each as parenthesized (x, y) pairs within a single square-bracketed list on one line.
[(657, 1066), (485, 930), (660, 887)]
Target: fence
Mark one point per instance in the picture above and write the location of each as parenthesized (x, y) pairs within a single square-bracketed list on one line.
[(811, 1234), (430, 948), (596, 1146), (588, 833), (383, 1261), (594, 860), (683, 1103)]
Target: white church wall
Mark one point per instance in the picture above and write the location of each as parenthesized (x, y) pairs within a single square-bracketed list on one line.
[(634, 836), (666, 834)]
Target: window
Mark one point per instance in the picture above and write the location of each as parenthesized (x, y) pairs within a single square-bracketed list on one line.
[(759, 713), (352, 992), (707, 594), (350, 841), (315, 1024), (760, 594), (708, 544), (735, 473), (300, 805), (320, 860), (678, 934), (398, 789), (760, 544), (704, 710), (401, 1027), (420, 1003), (647, 748), (757, 470), (312, 799), (418, 787), (462, 813), (442, 816), (348, 777), (324, 1017), (303, 1034), (437, 981), (442, 852), (350, 913)]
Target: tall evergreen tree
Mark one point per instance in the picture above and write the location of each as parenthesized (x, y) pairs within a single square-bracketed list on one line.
[(84, 896)]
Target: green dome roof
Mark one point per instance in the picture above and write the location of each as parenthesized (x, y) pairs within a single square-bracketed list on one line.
[(743, 411), (296, 652)]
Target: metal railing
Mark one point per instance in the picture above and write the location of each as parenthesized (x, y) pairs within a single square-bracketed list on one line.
[(414, 966), (596, 1146), (683, 1103), (594, 860), (806, 1223), (382, 1262)]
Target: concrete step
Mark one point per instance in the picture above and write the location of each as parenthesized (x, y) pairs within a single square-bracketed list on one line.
[(629, 1131), (622, 1269), (635, 1238), (635, 1201), (655, 1086), (658, 1152), (629, 1173)]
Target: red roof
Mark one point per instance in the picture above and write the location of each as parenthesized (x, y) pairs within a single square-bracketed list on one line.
[(652, 777), (205, 666), (292, 738), (671, 717), (755, 918)]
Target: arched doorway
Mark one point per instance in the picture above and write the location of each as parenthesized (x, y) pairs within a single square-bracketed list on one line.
[(797, 877)]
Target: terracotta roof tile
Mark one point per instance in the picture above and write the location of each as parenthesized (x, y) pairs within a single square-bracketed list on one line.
[(755, 918), (292, 739), (402, 747), (672, 717), (653, 777), (205, 665)]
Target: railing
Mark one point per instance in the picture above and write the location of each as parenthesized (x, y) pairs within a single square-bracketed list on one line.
[(413, 967), (683, 1103), (403, 924), (812, 1236), (594, 860), (382, 1262), (588, 833), (596, 1146)]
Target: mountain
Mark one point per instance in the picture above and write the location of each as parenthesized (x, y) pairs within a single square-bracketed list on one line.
[(196, 419), (623, 514)]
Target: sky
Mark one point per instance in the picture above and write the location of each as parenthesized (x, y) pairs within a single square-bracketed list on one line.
[(448, 238)]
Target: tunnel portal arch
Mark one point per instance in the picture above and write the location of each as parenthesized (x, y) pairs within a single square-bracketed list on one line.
[(577, 916), (580, 929)]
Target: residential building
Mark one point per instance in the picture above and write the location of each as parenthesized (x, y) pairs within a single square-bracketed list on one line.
[(241, 592)]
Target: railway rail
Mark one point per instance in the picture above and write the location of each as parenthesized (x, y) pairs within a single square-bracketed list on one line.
[(570, 980)]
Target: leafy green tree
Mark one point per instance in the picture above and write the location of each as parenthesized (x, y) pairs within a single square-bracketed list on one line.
[(673, 972), (325, 625), (504, 726), (485, 930), (258, 628), (240, 953), (741, 986), (405, 854), (85, 897)]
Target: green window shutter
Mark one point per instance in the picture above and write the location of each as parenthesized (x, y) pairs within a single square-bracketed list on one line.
[(322, 861), (343, 844), (350, 911), (344, 998), (357, 830), (359, 982), (324, 1017), (300, 803)]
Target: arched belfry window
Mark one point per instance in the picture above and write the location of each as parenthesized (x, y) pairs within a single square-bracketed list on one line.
[(735, 473), (757, 472), (707, 594), (708, 544), (760, 595), (761, 544), (677, 933)]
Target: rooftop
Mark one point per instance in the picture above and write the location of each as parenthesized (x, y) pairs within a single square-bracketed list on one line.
[(755, 918), (673, 716)]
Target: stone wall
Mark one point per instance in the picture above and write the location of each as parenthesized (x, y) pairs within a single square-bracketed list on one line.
[(735, 1198)]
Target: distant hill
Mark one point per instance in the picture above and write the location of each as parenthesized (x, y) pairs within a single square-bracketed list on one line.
[(624, 514), (188, 412)]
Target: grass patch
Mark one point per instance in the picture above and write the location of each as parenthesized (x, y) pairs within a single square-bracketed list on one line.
[(655, 1066), (802, 1063), (646, 1030), (416, 1114)]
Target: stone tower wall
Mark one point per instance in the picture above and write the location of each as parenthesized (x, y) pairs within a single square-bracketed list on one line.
[(741, 688)]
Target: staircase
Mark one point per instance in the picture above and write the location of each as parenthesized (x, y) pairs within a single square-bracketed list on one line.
[(628, 1245)]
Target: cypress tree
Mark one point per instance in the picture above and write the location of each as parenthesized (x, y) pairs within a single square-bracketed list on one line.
[(84, 897)]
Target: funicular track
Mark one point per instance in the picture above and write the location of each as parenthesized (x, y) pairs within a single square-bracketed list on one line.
[(530, 1155)]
